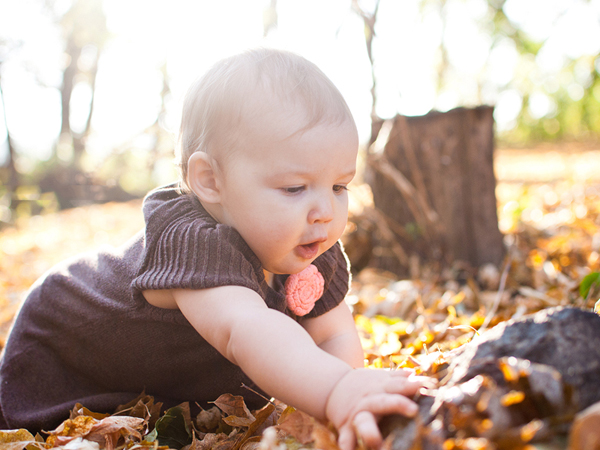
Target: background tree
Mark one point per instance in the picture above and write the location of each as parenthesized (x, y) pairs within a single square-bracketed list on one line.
[(532, 101)]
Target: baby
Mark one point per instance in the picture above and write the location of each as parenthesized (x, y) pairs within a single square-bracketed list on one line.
[(237, 278)]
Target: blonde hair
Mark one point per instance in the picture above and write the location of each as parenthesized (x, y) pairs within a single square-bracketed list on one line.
[(217, 102)]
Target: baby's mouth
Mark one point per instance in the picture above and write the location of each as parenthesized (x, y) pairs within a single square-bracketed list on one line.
[(308, 251)]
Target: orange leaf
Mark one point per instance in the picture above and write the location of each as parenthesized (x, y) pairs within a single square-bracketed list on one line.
[(298, 425), (323, 437), (71, 429)]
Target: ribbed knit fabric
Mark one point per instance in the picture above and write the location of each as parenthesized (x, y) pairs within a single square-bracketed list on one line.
[(85, 333), (186, 248)]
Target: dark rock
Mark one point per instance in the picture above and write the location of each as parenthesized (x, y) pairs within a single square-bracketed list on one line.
[(520, 382), (566, 339)]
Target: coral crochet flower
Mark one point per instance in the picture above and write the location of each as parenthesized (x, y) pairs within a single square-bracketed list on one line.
[(303, 289)]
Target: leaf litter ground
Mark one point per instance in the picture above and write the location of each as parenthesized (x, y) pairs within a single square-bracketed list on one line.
[(549, 211)]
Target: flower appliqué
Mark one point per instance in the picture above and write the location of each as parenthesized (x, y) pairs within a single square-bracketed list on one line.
[(303, 289)]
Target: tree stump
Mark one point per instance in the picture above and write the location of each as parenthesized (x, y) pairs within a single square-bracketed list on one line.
[(433, 182)]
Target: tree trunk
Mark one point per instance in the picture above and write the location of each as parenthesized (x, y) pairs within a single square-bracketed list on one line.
[(433, 180), (12, 181)]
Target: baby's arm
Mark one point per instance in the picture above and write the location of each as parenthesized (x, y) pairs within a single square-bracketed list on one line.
[(282, 358), (335, 332), (270, 347)]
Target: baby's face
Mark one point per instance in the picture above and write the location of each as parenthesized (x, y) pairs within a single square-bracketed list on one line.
[(285, 193)]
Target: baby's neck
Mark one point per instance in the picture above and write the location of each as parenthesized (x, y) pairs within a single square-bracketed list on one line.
[(268, 277)]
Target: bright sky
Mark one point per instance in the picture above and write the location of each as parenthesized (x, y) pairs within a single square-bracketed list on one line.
[(190, 35)]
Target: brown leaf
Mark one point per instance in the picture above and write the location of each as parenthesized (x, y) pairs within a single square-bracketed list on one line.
[(80, 410), (237, 422), (142, 406), (286, 412), (251, 444), (324, 438), (262, 418), (233, 405), (109, 430), (585, 432), (208, 420), (209, 441), (298, 425), (232, 442)]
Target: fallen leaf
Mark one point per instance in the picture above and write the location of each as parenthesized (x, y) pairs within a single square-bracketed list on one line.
[(323, 437), (262, 418), (208, 420), (172, 428), (233, 405), (286, 412), (298, 425), (238, 422), (71, 429), (142, 406), (252, 444), (16, 439), (80, 410), (585, 432), (206, 443), (109, 430)]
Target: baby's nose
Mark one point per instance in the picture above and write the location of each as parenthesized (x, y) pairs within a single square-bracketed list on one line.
[(322, 212)]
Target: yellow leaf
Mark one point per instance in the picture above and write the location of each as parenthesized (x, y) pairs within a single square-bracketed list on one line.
[(16, 439), (512, 398)]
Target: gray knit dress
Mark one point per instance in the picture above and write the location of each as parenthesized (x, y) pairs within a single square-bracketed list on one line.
[(85, 334)]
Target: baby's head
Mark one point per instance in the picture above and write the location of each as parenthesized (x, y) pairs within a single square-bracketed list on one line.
[(268, 146), (239, 89)]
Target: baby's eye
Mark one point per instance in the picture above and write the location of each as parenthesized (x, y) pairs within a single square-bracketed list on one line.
[(339, 188), (293, 189)]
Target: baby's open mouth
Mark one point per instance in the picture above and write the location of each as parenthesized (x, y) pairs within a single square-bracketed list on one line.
[(308, 251)]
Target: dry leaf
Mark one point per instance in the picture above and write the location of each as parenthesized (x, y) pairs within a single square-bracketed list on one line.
[(16, 439), (286, 412), (105, 432), (71, 429), (108, 431), (209, 442), (234, 405), (298, 425), (80, 410), (238, 422), (208, 420), (585, 432), (262, 419), (142, 406), (251, 444), (323, 437)]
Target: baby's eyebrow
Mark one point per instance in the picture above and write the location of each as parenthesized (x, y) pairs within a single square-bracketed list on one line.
[(350, 173)]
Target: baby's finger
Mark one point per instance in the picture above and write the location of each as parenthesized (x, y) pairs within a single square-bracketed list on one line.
[(382, 404), (402, 372), (346, 438), (365, 426), (405, 386)]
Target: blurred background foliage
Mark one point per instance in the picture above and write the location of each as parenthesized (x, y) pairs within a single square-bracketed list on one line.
[(91, 89)]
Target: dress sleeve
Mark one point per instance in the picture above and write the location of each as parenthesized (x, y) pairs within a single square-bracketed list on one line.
[(185, 248)]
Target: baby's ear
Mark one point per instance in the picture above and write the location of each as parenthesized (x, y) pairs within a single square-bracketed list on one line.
[(202, 178)]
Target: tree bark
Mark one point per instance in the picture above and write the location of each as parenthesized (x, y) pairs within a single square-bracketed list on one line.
[(13, 175), (435, 179)]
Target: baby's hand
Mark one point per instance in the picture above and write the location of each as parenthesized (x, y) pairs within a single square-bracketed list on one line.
[(362, 396)]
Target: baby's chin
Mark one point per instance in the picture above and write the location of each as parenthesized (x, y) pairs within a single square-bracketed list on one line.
[(289, 269)]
